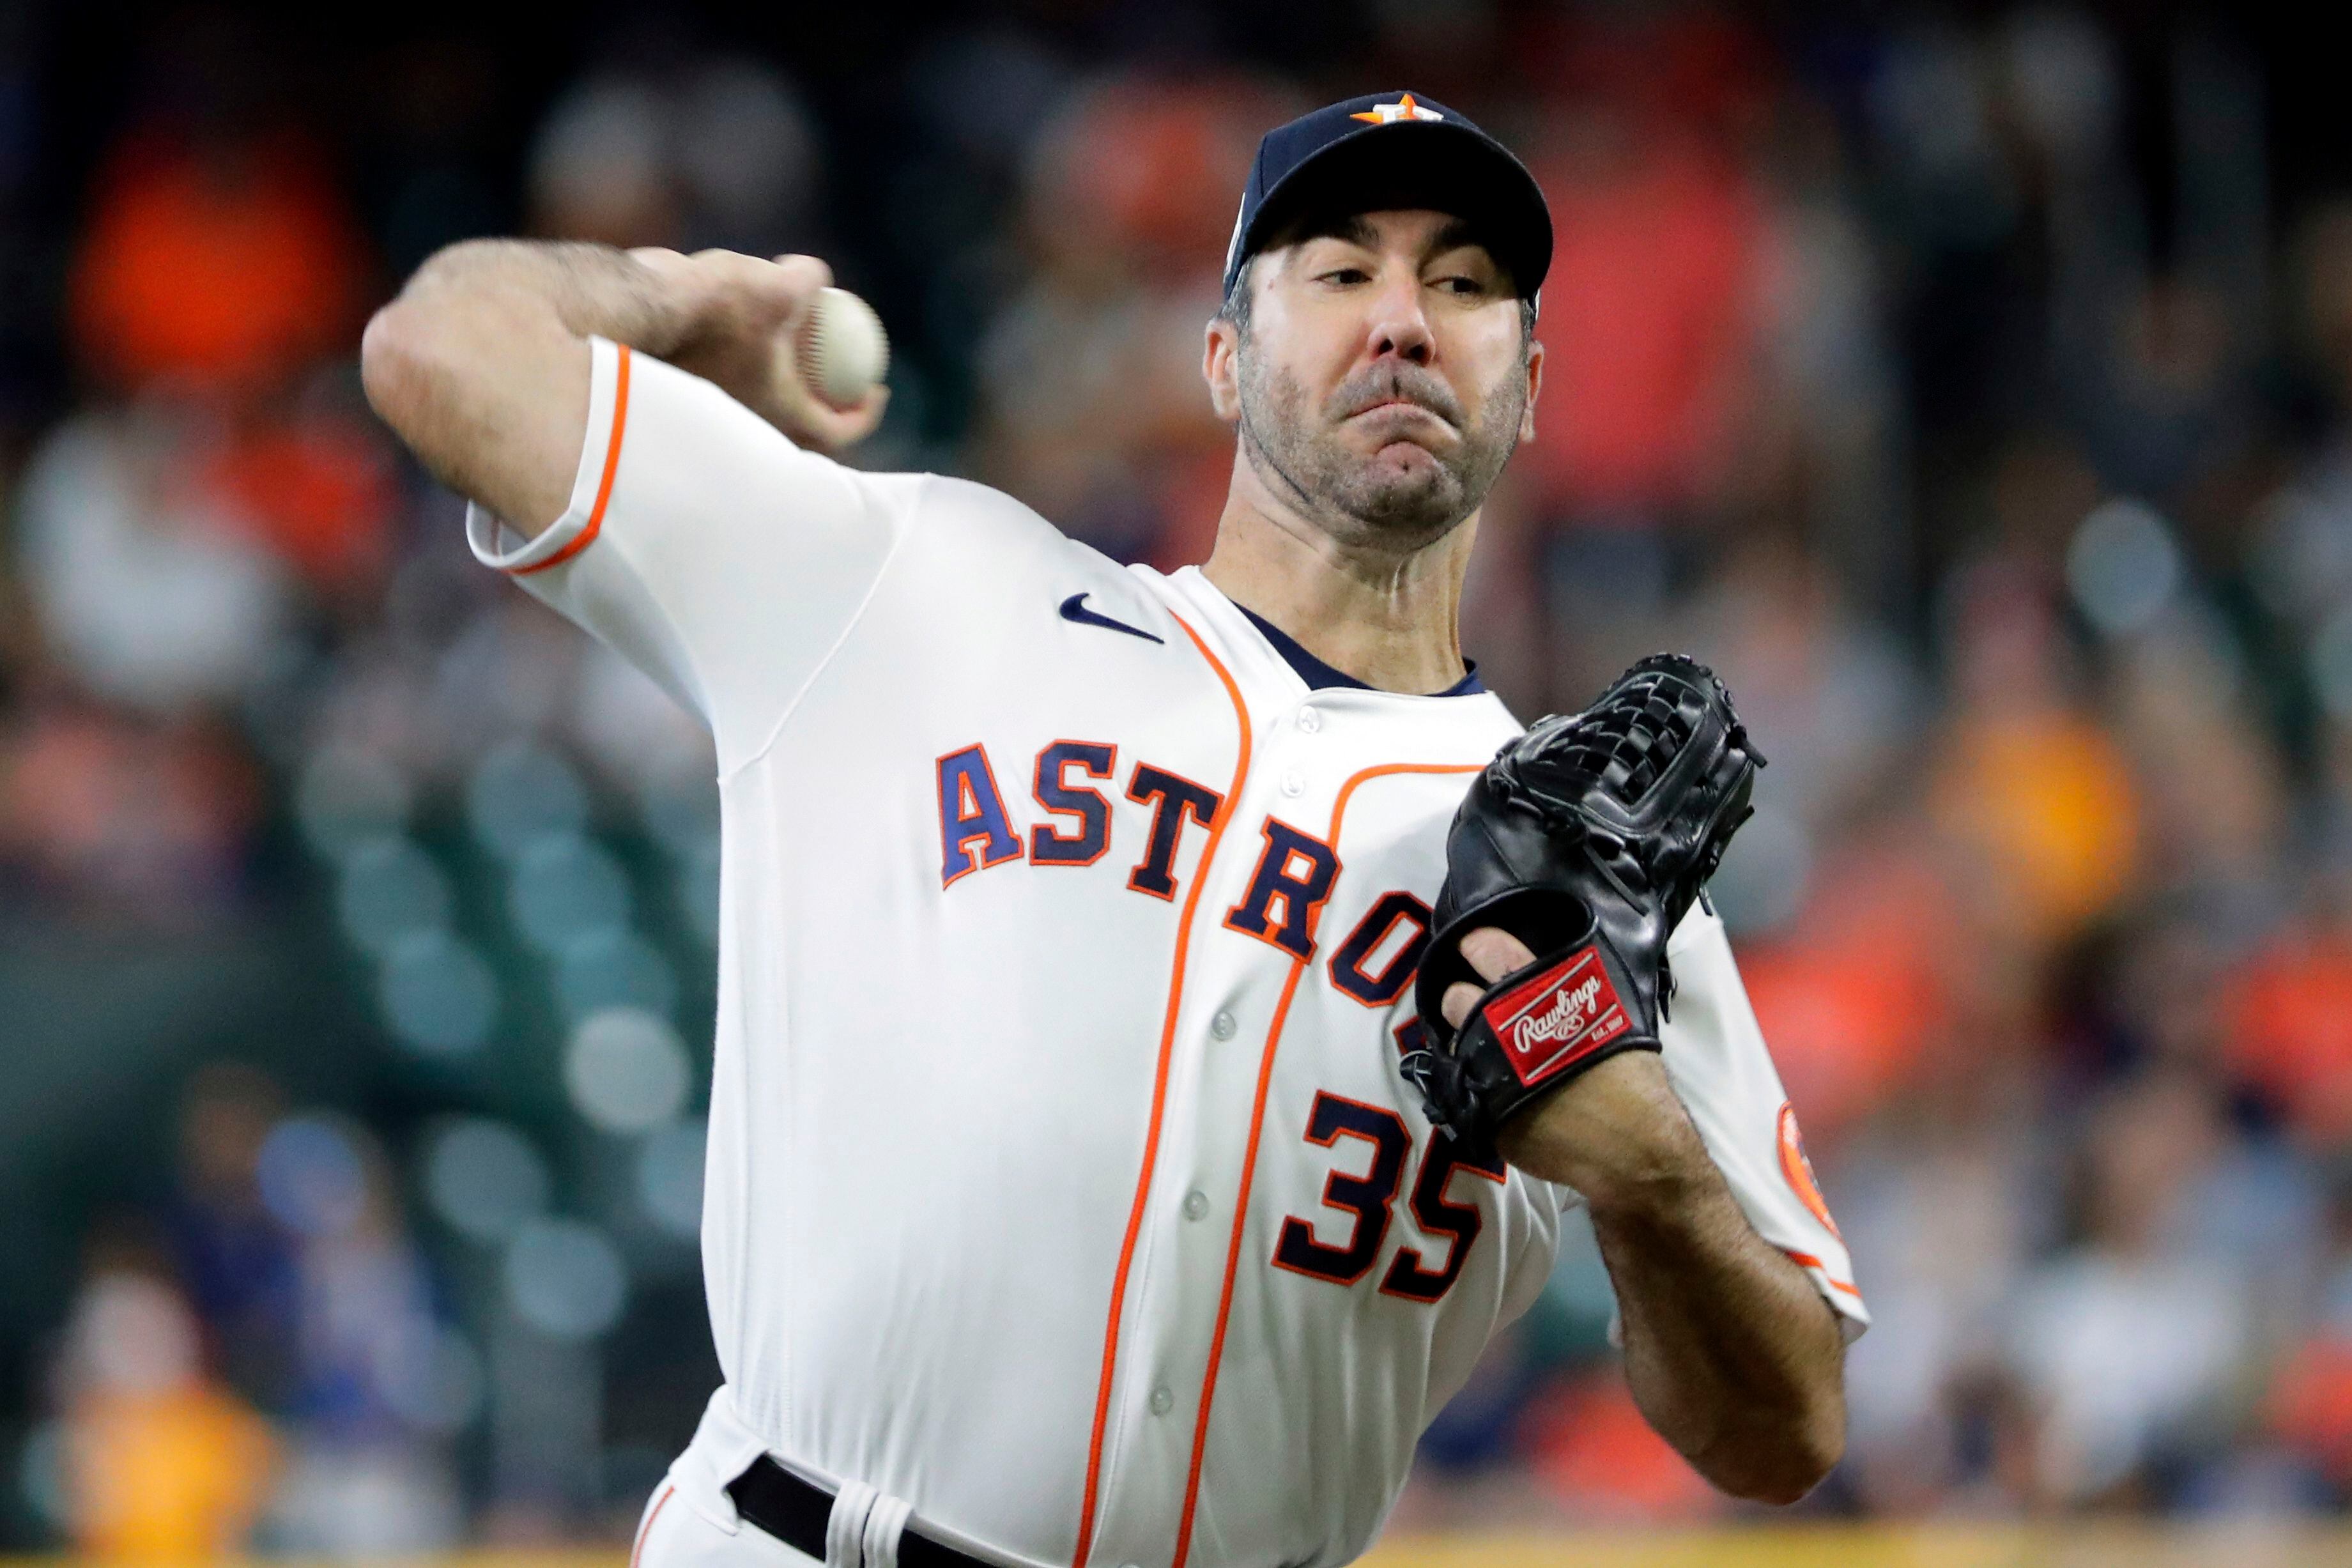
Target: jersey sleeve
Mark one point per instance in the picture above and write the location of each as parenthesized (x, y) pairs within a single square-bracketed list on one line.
[(1717, 1061), (706, 548)]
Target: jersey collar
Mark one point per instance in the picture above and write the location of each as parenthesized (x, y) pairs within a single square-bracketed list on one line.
[(1320, 677)]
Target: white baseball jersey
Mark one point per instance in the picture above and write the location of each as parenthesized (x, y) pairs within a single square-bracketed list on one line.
[(1062, 1182)]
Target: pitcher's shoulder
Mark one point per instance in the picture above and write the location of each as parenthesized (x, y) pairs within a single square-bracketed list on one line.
[(970, 535)]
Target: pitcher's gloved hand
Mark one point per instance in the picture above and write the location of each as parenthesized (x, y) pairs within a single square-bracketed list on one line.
[(1587, 838)]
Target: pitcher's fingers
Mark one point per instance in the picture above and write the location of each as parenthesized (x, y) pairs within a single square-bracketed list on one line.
[(807, 273), (778, 292), (1460, 997), (1494, 952), (835, 428)]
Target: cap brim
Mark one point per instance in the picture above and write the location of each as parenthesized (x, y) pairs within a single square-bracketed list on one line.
[(1434, 164)]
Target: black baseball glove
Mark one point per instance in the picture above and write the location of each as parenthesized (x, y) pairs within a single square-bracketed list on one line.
[(1587, 838)]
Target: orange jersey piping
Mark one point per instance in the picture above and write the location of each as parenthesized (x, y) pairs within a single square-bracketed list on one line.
[(1158, 1100), (646, 1530), (1807, 1260), (1249, 1158), (595, 524)]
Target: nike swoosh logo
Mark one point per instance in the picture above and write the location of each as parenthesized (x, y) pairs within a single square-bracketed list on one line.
[(1074, 608)]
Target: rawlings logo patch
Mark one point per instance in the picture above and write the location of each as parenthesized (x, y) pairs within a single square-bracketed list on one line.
[(1558, 1018)]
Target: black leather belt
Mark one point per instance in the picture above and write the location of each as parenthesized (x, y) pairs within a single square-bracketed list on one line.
[(796, 1512)]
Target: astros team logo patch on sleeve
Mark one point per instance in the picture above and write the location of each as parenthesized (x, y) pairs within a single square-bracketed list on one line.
[(1799, 1170), (1552, 1021)]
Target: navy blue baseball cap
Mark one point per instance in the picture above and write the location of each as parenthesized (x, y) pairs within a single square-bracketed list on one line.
[(1389, 151)]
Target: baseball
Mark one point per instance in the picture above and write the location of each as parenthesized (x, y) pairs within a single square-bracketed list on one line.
[(842, 349)]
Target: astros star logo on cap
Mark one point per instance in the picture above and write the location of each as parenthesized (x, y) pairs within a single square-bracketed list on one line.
[(1389, 113)]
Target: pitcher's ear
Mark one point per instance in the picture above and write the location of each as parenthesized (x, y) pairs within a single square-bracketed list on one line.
[(1221, 368), (1535, 388)]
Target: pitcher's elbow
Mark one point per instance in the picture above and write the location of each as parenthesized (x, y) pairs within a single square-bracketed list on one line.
[(387, 360), (1784, 1467), (400, 363), (1793, 1480), (1773, 1457)]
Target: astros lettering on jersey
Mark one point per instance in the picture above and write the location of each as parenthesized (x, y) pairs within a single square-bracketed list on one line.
[(1062, 1183)]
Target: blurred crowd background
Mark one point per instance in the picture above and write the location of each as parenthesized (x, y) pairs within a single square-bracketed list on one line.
[(1971, 384)]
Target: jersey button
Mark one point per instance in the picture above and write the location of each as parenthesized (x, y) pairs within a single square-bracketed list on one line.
[(1222, 1026), (1196, 1205), (1293, 783), (1162, 1401), (1310, 719)]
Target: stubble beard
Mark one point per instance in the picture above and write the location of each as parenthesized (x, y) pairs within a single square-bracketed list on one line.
[(1369, 500)]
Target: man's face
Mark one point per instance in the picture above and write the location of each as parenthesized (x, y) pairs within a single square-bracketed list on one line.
[(1384, 377)]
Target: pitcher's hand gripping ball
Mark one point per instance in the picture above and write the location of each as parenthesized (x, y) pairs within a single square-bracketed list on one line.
[(1587, 838)]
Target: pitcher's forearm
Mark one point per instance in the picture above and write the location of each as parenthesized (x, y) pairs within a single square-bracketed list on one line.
[(1731, 1353), (593, 290), (482, 365)]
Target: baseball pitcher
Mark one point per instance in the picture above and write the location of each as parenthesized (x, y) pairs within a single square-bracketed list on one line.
[(1163, 1018)]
